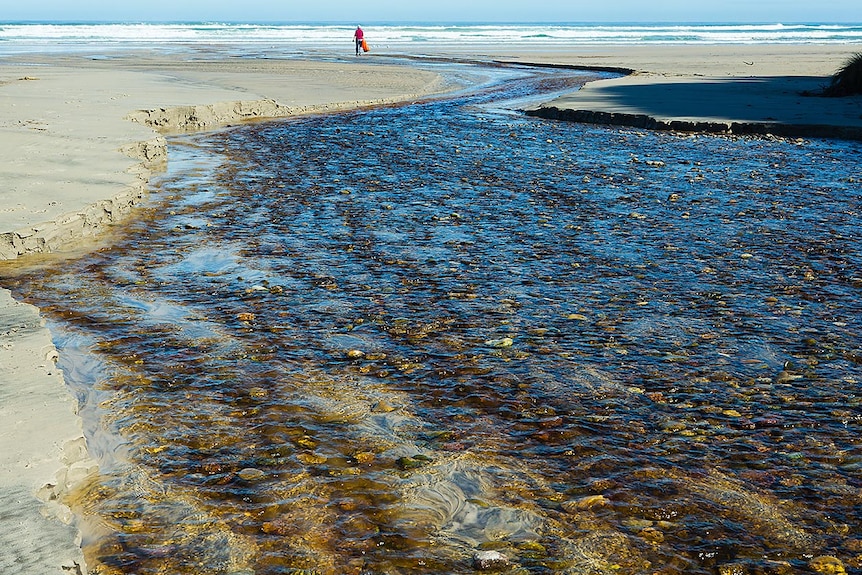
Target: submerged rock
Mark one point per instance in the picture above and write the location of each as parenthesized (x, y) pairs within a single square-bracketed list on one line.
[(414, 462), (503, 342), (311, 458), (827, 565), (732, 569), (603, 552), (251, 474), (364, 457), (490, 561), (382, 407), (587, 502)]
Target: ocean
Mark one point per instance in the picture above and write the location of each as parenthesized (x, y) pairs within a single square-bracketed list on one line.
[(412, 37)]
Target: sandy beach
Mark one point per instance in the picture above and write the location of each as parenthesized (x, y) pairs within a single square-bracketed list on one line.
[(80, 138)]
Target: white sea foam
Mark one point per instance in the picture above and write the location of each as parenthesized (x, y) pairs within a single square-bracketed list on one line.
[(24, 36)]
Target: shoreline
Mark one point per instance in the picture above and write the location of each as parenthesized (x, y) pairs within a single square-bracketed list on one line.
[(93, 130), (39, 468), (81, 139)]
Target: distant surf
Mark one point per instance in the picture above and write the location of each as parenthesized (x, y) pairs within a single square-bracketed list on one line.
[(69, 35)]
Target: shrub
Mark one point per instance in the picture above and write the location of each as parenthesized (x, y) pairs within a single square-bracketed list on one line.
[(847, 80)]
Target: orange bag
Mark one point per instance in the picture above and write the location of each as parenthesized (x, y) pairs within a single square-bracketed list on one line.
[(364, 45)]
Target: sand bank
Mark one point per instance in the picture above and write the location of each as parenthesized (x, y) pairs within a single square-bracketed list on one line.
[(740, 89), (42, 449)]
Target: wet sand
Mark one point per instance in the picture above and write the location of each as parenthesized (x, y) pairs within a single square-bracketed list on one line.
[(82, 136)]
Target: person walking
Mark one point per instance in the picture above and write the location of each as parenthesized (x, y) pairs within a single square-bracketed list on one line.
[(358, 37)]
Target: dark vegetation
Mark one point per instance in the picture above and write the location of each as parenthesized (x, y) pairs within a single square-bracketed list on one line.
[(848, 80)]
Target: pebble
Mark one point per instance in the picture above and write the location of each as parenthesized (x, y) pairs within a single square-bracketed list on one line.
[(414, 462), (732, 569), (306, 442), (639, 524), (828, 565), (652, 535), (490, 561), (588, 502), (532, 546), (382, 407), (672, 426), (251, 474), (785, 376), (504, 342), (364, 457), (311, 458)]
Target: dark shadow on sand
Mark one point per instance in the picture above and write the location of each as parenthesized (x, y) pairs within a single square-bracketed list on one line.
[(781, 105), (773, 99)]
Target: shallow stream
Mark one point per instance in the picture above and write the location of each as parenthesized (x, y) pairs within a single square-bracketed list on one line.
[(383, 341)]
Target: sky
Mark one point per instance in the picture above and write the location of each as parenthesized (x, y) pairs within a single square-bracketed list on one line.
[(387, 11)]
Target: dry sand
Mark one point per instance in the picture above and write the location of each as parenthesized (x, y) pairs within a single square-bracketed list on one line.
[(79, 139)]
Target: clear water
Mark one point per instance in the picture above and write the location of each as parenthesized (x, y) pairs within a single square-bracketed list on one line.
[(383, 341)]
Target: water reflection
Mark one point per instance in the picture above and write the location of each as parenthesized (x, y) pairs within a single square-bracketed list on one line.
[(382, 342)]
